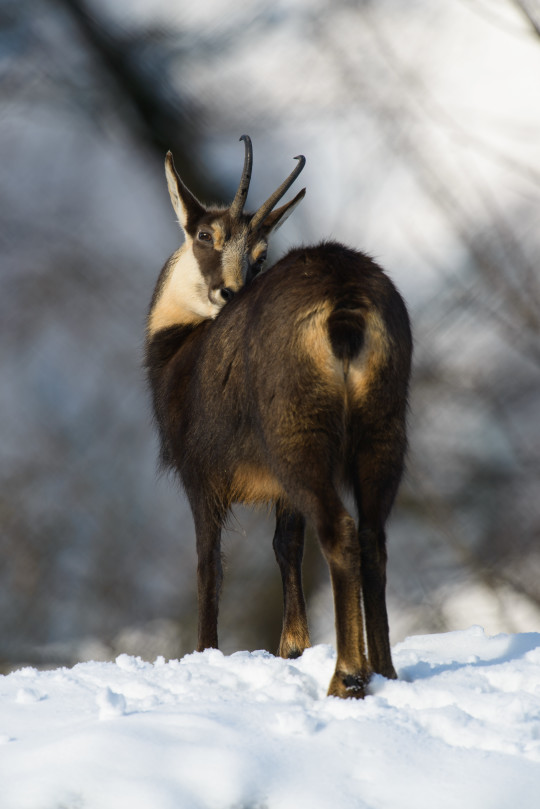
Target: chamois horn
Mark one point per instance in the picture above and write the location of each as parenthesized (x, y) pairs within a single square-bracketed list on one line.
[(259, 217), (239, 200)]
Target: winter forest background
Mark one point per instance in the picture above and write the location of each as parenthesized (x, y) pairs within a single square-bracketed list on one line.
[(420, 122)]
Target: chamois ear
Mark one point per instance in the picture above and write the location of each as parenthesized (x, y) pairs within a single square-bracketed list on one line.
[(276, 219), (187, 208)]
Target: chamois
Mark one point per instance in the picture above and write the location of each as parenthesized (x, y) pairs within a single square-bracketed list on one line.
[(292, 392)]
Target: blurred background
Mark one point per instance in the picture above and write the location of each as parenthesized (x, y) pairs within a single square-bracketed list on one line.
[(420, 122)]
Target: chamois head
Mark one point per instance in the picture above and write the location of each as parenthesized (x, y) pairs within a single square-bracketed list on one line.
[(224, 248)]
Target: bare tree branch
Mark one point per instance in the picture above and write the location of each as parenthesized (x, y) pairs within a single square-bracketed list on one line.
[(524, 8)]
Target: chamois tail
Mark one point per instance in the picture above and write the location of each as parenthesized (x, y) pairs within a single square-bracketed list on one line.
[(346, 330)]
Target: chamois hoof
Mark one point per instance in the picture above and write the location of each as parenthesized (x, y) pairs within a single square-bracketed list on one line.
[(388, 672), (291, 648), (348, 685)]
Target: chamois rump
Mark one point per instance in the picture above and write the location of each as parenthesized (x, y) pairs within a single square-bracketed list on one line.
[(292, 392)]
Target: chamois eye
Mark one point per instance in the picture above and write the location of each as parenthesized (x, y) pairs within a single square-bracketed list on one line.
[(258, 265), (226, 293), (203, 236)]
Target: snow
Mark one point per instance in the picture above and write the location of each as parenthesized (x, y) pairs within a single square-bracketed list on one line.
[(459, 728)]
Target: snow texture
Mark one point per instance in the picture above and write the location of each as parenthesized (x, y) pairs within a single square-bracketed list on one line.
[(460, 728)]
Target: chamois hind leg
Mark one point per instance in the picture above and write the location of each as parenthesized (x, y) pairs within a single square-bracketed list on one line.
[(289, 548), (209, 574), (379, 475), (373, 547), (339, 541)]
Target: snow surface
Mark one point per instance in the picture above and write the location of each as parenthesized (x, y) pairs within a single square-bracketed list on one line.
[(460, 728)]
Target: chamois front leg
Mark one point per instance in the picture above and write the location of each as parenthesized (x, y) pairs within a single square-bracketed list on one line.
[(209, 577), (289, 550)]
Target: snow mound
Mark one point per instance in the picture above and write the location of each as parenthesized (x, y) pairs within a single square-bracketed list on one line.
[(460, 728)]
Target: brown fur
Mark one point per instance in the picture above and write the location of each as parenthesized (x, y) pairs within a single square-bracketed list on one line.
[(254, 485), (298, 387)]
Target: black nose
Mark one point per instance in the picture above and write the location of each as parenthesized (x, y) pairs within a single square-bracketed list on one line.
[(227, 293)]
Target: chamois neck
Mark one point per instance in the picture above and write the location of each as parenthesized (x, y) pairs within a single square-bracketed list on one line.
[(164, 344)]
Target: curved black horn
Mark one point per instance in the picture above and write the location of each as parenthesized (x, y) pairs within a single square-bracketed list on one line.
[(239, 200), (266, 207)]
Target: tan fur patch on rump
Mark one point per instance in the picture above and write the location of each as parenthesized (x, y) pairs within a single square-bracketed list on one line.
[(366, 367), (314, 339), (359, 375)]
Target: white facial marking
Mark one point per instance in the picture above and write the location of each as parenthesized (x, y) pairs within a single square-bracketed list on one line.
[(184, 297)]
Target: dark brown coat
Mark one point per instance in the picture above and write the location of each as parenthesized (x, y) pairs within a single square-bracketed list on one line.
[(295, 391)]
